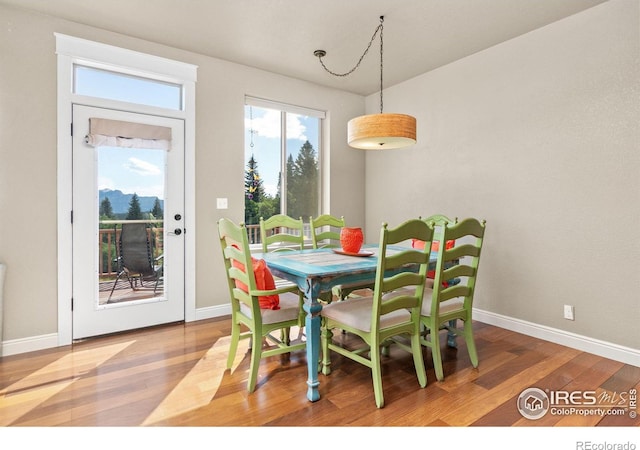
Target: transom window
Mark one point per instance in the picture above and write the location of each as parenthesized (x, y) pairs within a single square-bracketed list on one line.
[(128, 88)]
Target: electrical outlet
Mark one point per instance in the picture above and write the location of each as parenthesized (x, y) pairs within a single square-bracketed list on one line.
[(568, 312)]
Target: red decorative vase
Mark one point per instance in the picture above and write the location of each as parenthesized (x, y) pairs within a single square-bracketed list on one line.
[(351, 239)]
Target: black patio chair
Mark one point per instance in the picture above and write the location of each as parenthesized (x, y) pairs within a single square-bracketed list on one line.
[(135, 258)]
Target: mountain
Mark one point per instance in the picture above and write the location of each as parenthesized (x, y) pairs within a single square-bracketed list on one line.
[(120, 201)]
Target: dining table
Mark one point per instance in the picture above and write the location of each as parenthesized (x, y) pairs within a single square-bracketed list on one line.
[(319, 270)]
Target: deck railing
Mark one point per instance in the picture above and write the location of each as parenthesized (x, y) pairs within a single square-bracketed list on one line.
[(253, 232), (108, 236)]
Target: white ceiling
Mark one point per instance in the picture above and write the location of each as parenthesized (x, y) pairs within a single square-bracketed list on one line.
[(281, 35)]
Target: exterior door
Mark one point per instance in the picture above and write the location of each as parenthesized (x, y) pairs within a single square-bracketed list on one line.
[(128, 242)]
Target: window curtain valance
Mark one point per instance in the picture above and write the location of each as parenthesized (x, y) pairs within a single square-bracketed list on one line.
[(117, 133)]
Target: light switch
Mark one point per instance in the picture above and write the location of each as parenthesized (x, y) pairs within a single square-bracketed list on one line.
[(222, 203)]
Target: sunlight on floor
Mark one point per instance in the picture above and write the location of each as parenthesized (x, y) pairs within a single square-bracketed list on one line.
[(200, 385), (196, 389), (27, 393)]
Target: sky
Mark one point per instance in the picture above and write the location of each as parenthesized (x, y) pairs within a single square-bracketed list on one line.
[(132, 170)]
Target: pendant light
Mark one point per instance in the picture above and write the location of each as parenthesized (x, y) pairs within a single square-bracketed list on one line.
[(376, 131)]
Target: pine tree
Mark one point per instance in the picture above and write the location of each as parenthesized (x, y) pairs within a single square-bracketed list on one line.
[(106, 210), (134, 213), (252, 182), (290, 199), (278, 198), (157, 210), (302, 184), (254, 192)]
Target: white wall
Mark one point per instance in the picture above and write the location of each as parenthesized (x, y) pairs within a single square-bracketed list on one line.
[(28, 161), (539, 136)]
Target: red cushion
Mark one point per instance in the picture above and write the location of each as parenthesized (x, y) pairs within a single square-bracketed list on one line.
[(264, 282), (435, 245)]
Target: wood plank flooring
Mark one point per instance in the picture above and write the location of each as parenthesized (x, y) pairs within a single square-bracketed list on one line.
[(174, 375)]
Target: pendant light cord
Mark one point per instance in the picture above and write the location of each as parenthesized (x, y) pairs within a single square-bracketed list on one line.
[(381, 65), (321, 53)]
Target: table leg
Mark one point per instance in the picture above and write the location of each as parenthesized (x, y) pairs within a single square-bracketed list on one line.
[(312, 324), (451, 337)]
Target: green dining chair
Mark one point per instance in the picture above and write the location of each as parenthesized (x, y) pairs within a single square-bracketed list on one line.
[(439, 221), (325, 233), (325, 230), (446, 303), (281, 232), (391, 313), (251, 287)]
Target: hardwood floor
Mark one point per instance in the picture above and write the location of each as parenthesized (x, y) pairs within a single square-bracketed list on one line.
[(175, 375)]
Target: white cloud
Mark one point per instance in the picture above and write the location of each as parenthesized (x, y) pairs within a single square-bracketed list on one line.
[(268, 125), (143, 168), (105, 183), (295, 129)]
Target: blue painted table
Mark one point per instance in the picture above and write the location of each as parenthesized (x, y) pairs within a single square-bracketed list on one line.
[(316, 271)]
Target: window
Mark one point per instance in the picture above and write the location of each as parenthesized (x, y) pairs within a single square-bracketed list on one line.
[(282, 160), (120, 86)]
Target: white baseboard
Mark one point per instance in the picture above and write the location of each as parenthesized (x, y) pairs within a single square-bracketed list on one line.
[(213, 311), (34, 343), (605, 349), (30, 344), (608, 350)]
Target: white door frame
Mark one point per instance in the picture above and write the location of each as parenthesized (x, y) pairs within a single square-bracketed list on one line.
[(71, 50)]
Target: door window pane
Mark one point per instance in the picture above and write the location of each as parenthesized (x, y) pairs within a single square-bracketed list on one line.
[(131, 191)]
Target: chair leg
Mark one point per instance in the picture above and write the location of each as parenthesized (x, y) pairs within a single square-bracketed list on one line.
[(130, 280), (114, 286), (256, 353), (376, 374), (418, 361), (326, 337), (285, 336), (233, 347), (471, 344), (302, 315), (155, 287), (435, 352)]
